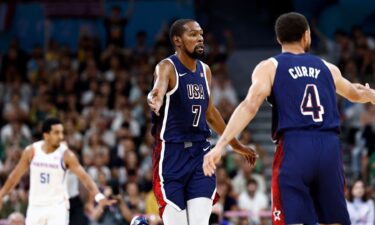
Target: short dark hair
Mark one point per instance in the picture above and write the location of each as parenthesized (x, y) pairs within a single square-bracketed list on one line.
[(48, 123), (252, 181), (177, 28), (290, 27)]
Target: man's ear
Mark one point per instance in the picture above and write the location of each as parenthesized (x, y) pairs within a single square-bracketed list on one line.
[(177, 41), (306, 36), (278, 40)]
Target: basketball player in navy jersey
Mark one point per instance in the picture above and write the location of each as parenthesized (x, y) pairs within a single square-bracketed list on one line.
[(308, 178), (182, 112)]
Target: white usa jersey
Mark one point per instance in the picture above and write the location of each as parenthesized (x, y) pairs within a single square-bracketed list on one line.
[(47, 176)]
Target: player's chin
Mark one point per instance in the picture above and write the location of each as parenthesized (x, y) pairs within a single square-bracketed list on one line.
[(199, 54)]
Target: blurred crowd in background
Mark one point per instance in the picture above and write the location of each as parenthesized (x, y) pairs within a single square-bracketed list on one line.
[(100, 95)]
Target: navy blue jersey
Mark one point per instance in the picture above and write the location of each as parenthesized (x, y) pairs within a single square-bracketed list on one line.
[(303, 95), (183, 114)]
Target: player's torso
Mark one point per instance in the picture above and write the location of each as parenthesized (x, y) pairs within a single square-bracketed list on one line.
[(183, 115), (303, 94), (47, 176)]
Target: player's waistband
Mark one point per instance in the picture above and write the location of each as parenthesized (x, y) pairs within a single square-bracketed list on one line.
[(187, 144), (304, 132)]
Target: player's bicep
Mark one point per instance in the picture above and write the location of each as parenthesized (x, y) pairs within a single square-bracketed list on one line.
[(161, 76), (72, 163)]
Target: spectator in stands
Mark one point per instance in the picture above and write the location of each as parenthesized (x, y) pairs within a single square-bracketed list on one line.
[(368, 141), (244, 174), (15, 132), (12, 155), (253, 200), (115, 25), (17, 202), (360, 206), (141, 50), (15, 59), (103, 215), (222, 88)]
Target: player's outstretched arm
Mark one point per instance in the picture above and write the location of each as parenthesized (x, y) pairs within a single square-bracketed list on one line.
[(73, 164), (352, 92), (162, 77), (20, 169), (261, 88)]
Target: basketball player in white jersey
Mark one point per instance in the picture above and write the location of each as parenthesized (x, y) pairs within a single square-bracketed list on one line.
[(48, 161)]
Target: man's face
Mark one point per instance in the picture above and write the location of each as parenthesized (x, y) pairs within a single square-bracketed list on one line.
[(55, 136), (192, 40)]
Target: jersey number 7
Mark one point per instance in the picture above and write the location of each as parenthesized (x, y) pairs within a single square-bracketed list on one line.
[(310, 105), (196, 110)]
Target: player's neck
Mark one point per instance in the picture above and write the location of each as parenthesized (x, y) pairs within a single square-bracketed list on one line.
[(47, 148), (294, 48), (187, 61)]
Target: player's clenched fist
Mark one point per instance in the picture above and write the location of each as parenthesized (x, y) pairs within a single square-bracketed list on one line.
[(248, 153)]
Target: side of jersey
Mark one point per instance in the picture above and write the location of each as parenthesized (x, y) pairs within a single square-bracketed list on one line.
[(303, 95), (47, 176), (183, 115)]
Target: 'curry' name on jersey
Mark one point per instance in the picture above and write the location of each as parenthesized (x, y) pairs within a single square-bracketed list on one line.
[(303, 71), (195, 91)]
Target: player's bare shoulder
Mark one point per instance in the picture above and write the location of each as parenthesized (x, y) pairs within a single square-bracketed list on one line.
[(335, 71), (165, 66), (269, 64), (29, 152), (165, 72), (69, 156), (266, 70)]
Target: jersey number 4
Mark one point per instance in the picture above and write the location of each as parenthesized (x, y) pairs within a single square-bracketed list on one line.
[(310, 105)]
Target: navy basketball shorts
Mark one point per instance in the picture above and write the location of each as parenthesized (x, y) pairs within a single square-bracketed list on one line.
[(308, 183), (178, 174)]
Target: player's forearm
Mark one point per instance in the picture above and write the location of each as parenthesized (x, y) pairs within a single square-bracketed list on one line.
[(243, 114), (364, 96), (217, 123), (359, 93), (89, 184)]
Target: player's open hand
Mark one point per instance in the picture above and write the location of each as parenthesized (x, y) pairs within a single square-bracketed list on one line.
[(210, 160), (248, 153), (368, 90), (154, 101)]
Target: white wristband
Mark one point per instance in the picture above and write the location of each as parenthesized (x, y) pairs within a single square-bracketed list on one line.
[(98, 197)]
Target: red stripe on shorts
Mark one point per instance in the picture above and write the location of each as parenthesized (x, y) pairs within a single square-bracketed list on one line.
[(156, 178), (278, 217)]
